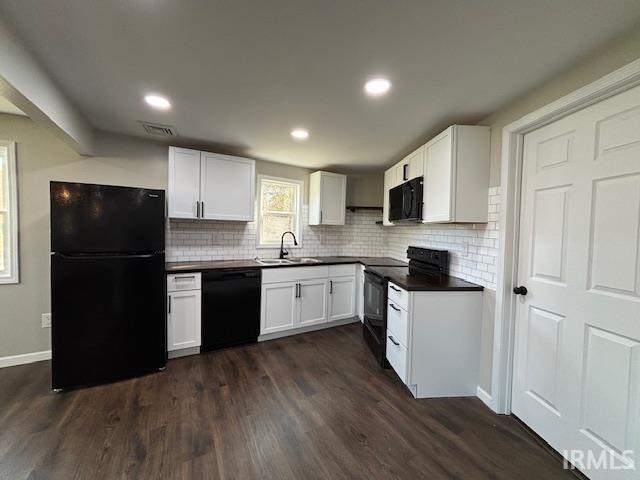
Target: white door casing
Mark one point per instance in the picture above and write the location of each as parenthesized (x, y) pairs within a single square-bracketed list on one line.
[(576, 371)]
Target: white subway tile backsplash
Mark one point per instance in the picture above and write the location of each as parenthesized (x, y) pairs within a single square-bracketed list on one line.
[(473, 247)]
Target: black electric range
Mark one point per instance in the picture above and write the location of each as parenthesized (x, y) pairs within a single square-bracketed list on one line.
[(426, 266)]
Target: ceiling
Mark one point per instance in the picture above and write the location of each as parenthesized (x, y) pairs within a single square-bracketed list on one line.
[(242, 73), (7, 107)]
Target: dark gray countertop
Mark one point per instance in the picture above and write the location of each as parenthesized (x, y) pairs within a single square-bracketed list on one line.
[(172, 267), (400, 276)]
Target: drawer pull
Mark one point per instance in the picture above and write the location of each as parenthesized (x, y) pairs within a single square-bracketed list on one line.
[(190, 277), (393, 340), (394, 288), (394, 307)]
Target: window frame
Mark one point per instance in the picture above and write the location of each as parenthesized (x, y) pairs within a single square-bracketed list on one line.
[(12, 276), (299, 184)]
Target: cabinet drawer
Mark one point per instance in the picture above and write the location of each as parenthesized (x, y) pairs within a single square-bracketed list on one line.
[(183, 281), (397, 356), (398, 295), (293, 274), (398, 323), (342, 270)]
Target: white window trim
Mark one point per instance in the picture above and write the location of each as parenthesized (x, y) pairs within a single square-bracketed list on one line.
[(12, 177), (298, 234)]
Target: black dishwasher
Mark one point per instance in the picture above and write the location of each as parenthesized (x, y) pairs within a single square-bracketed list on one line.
[(230, 308)]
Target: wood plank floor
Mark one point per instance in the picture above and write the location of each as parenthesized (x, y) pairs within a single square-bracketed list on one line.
[(311, 406)]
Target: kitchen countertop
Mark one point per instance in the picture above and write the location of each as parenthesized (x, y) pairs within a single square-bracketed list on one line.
[(173, 267), (400, 276)]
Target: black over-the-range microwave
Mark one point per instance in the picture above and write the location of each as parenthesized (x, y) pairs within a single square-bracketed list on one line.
[(405, 201)]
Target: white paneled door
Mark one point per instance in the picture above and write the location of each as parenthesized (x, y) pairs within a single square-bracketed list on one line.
[(577, 352)]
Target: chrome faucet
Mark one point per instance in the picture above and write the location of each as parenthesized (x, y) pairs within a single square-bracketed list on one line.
[(283, 252)]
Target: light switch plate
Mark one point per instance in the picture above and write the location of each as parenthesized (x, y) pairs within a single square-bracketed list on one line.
[(46, 320)]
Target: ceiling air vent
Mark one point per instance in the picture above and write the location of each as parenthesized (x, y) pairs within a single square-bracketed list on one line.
[(159, 130)]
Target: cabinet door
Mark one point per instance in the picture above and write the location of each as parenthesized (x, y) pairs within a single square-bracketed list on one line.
[(184, 182), (416, 163), (183, 320), (227, 187), (342, 295), (312, 302), (389, 183), (438, 176), (279, 307), (333, 190)]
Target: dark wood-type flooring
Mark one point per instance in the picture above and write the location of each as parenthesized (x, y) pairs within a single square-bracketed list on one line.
[(311, 406)]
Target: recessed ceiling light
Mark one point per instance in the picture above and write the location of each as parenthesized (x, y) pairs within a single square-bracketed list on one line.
[(377, 86), (300, 133), (157, 101)]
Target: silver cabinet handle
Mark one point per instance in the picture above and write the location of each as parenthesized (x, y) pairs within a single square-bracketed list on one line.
[(197, 209), (330, 287), (169, 303), (393, 340), (394, 288), (202, 210), (394, 307)]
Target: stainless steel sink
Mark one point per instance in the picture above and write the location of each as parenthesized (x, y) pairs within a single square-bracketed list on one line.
[(304, 260), (273, 261)]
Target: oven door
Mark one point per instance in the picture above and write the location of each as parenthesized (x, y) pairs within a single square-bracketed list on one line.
[(375, 311)]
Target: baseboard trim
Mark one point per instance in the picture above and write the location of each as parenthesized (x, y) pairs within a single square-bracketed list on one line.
[(24, 358), (485, 397), (310, 328), (183, 352)]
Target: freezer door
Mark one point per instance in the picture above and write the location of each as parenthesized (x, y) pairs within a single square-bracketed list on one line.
[(88, 218), (109, 319)]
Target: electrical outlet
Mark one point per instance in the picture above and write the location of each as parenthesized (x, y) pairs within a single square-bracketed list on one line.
[(46, 320)]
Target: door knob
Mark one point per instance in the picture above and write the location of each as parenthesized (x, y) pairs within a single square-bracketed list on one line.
[(521, 290)]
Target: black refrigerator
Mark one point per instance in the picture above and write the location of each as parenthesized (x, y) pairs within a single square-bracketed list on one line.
[(108, 285)]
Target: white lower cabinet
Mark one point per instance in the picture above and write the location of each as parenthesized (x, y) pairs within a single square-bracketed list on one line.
[(298, 297), (279, 307), (184, 311), (397, 356), (312, 302), (342, 298), (433, 340)]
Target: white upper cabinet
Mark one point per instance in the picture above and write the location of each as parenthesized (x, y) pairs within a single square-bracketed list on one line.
[(210, 186), (389, 183), (327, 198), (456, 180), (184, 182), (227, 187), (411, 166), (415, 161)]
